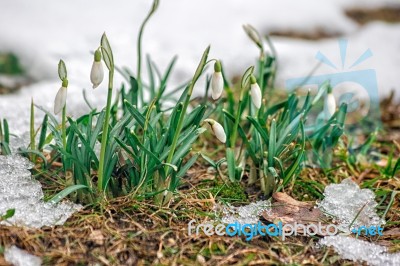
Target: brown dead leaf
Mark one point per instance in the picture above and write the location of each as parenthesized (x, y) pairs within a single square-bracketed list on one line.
[(290, 211)]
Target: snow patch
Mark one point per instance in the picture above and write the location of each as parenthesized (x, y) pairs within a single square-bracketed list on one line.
[(19, 257), (20, 192), (247, 214), (361, 251), (349, 204)]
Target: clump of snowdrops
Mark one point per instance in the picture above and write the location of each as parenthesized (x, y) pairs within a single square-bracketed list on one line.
[(146, 148)]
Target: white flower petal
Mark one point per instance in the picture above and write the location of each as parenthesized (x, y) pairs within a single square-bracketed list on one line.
[(96, 74), (217, 85), (219, 131), (256, 95), (329, 106), (60, 100)]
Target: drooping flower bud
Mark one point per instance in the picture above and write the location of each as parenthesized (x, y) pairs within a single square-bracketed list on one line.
[(329, 104), (97, 72), (61, 97), (217, 81), (253, 34), (217, 129), (255, 92)]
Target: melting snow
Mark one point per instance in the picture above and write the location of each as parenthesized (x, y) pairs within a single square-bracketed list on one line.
[(20, 192), (19, 257), (346, 201), (361, 251), (248, 214)]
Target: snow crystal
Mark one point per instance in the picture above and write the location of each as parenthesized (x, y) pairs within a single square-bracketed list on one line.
[(19, 257), (346, 201), (248, 214), (361, 251), (18, 191)]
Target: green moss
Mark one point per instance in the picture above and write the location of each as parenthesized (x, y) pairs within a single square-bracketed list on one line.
[(229, 192)]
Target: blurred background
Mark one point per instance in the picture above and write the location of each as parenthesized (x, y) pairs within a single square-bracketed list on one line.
[(34, 35)]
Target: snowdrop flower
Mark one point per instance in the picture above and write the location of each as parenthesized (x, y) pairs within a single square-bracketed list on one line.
[(255, 92), (217, 81), (217, 129), (329, 104), (61, 97), (97, 73)]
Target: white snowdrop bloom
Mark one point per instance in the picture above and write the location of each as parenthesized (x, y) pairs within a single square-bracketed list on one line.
[(97, 72), (61, 97), (217, 129), (329, 105), (217, 81), (255, 92)]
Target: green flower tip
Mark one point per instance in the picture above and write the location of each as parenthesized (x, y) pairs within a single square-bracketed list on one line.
[(65, 83), (217, 66), (329, 89), (253, 79), (97, 55)]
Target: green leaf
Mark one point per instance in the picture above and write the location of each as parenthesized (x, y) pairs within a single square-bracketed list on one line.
[(341, 115), (107, 52), (230, 159), (262, 131), (187, 166), (295, 166), (281, 169), (272, 144), (62, 70), (163, 82), (396, 167), (321, 90), (242, 134), (186, 145), (6, 132), (288, 130), (147, 151), (85, 142), (43, 132), (61, 195), (9, 213), (209, 160)]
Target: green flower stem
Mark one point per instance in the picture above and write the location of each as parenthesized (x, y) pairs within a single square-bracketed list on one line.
[(104, 137), (261, 72), (196, 76), (139, 48), (63, 126), (236, 125)]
